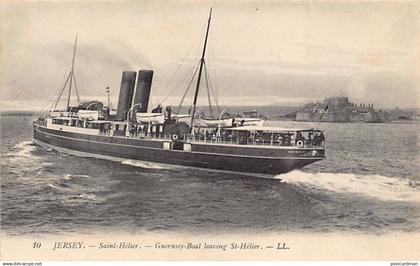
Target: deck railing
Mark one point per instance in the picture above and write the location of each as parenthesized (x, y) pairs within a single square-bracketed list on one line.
[(40, 122), (251, 141), (201, 138)]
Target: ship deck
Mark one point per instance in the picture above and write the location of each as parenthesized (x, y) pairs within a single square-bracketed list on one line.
[(221, 156)]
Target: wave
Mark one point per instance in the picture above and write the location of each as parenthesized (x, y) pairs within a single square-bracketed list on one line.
[(22, 149), (74, 200), (143, 164), (60, 187), (21, 159), (375, 186), (54, 187), (88, 197), (70, 176)]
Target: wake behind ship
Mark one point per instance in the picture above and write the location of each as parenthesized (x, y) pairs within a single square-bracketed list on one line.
[(223, 142)]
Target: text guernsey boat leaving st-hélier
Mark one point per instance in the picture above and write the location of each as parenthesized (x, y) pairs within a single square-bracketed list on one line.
[(177, 139)]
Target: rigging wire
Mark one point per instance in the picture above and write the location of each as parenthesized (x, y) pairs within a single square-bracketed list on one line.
[(214, 97), (45, 104), (70, 78), (61, 92), (188, 87), (208, 89), (178, 69), (215, 91), (75, 88), (177, 85)]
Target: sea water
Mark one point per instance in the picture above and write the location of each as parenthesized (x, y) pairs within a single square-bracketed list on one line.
[(369, 182)]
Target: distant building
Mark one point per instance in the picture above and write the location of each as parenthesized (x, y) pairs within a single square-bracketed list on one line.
[(398, 114), (340, 109)]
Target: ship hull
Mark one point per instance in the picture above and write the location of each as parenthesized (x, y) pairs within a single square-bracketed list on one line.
[(151, 150)]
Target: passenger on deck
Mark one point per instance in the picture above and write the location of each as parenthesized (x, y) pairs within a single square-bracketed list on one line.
[(158, 109), (310, 135), (132, 130), (319, 139), (299, 136), (280, 140), (310, 139), (322, 138)]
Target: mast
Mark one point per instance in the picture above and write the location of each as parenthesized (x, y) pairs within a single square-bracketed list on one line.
[(199, 73), (72, 73), (109, 102)]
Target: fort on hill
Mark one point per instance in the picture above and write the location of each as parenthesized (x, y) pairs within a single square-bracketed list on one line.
[(340, 109)]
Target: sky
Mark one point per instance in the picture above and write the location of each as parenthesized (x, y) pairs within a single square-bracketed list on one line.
[(259, 52)]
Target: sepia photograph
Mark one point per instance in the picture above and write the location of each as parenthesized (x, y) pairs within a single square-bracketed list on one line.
[(210, 130)]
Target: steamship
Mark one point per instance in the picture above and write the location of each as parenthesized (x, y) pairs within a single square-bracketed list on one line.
[(224, 143)]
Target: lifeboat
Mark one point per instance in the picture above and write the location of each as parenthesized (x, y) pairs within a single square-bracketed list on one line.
[(182, 118), (223, 122), (152, 118), (88, 114), (246, 121)]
